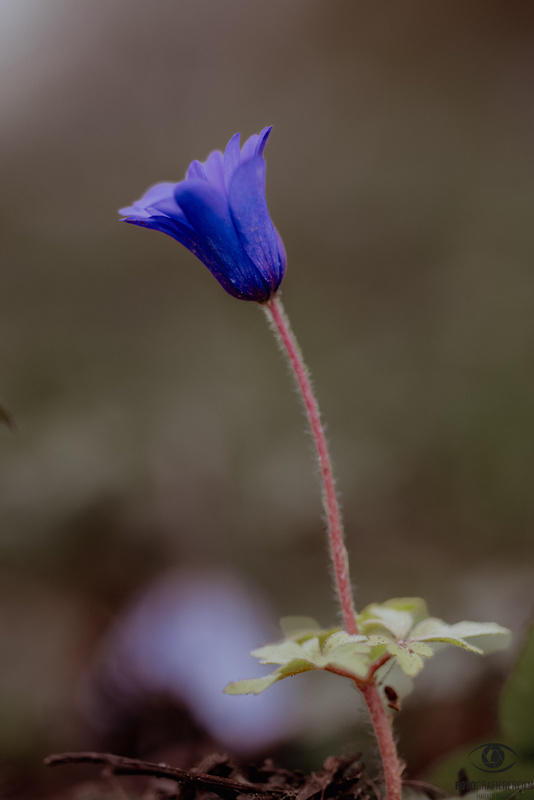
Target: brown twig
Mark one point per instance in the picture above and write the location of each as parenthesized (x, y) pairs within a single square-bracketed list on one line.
[(133, 766)]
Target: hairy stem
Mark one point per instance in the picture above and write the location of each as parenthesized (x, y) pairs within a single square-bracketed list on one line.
[(371, 694), (338, 552), (384, 735)]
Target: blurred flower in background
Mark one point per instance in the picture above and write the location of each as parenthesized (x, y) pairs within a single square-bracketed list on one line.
[(183, 639)]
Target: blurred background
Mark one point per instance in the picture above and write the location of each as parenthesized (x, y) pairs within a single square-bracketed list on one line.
[(158, 478)]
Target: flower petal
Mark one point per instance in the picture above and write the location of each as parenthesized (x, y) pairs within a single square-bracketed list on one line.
[(262, 140), (255, 145), (195, 171), (250, 215), (181, 231), (214, 169), (207, 211), (248, 150), (154, 194), (184, 233), (232, 159), (169, 207), (211, 170)]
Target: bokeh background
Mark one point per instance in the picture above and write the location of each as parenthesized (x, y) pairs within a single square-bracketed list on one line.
[(156, 431)]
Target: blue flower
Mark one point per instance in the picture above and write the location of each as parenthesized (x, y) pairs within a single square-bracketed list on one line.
[(220, 214)]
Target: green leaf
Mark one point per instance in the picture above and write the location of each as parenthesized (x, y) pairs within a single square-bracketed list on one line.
[(397, 616), (516, 712), (435, 630), (340, 639), (297, 627), (337, 650), (416, 606), (387, 627), (288, 651), (258, 685), (421, 648), (349, 653), (408, 655), (397, 623), (356, 664), (280, 653), (410, 663), (252, 685)]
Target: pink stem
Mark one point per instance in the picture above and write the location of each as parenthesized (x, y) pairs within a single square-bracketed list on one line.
[(386, 743), (368, 688), (335, 528)]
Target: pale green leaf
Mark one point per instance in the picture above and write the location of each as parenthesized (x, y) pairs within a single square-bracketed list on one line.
[(397, 615), (253, 685), (295, 627), (421, 648), (397, 623), (257, 685), (435, 630), (295, 667), (378, 645), (355, 653), (349, 660), (375, 640), (415, 606), (340, 638), (288, 651), (348, 652), (310, 648), (408, 660), (280, 653), (465, 630)]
